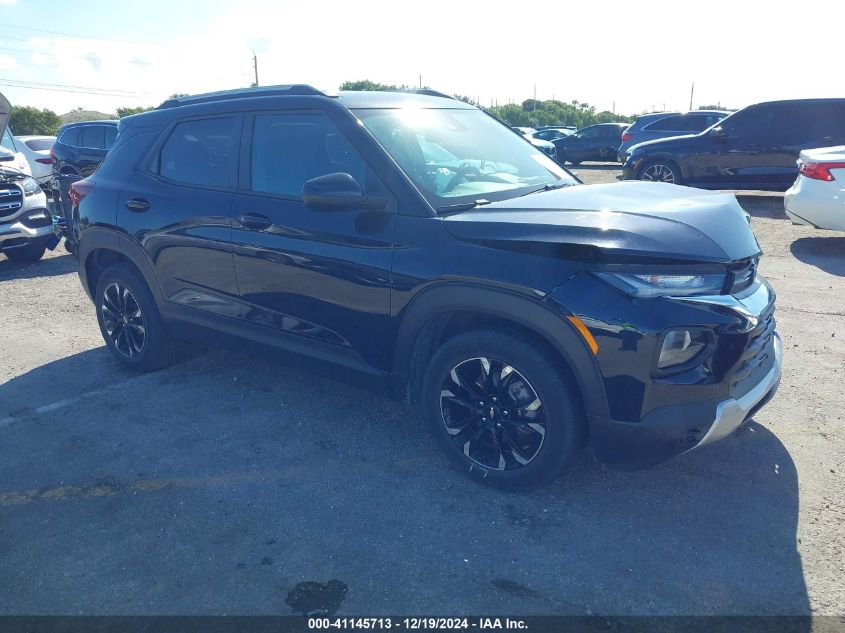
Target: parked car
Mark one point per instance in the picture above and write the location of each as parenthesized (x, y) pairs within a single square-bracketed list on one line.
[(594, 142), (81, 147), (543, 145), (552, 133), (418, 240), (650, 127), (36, 150), (755, 148), (18, 160), (26, 226), (818, 196)]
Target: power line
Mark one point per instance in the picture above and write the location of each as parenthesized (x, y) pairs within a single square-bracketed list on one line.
[(85, 37), (82, 57), (109, 92), (80, 92)]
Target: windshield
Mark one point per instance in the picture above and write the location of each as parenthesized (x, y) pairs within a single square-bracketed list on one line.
[(461, 156)]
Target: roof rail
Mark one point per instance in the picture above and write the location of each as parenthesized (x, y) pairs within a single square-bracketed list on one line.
[(242, 93)]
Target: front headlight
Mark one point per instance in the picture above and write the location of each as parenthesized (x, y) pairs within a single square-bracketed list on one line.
[(30, 186), (666, 284)]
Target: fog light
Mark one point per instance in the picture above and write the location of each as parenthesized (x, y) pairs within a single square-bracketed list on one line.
[(681, 346)]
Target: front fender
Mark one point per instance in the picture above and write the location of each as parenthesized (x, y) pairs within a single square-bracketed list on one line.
[(543, 319)]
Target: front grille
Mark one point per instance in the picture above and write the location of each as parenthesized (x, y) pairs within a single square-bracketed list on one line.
[(758, 355), (11, 200), (741, 275)]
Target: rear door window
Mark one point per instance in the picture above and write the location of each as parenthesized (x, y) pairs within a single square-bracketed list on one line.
[(201, 152), (814, 124), (94, 137)]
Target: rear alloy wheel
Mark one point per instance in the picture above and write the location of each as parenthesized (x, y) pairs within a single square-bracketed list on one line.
[(123, 320), (501, 409), (660, 171), (129, 320)]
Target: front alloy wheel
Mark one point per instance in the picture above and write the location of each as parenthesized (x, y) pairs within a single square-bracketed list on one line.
[(123, 320), (492, 414), (659, 172)]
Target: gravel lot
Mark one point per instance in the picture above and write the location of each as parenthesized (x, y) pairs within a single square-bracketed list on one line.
[(220, 484)]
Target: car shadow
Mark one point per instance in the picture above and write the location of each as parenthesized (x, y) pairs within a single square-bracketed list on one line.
[(710, 532), (762, 205), (825, 253), (595, 166), (61, 264)]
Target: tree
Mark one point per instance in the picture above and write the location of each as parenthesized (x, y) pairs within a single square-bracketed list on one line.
[(122, 112), (25, 120), (716, 107), (366, 84), (533, 113)]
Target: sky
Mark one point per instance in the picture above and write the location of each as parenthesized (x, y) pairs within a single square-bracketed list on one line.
[(631, 56)]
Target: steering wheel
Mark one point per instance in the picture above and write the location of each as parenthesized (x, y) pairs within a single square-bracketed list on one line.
[(460, 174)]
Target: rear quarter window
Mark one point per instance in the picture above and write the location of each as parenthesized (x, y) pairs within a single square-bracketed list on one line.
[(70, 137)]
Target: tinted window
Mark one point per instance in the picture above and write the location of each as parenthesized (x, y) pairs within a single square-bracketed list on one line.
[(814, 124), (201, 153), (755, 122), (589, 132), (611, 131), (39, 144), (94, 136), (111, 135), (71, 136), (290, 149), (679, 123)]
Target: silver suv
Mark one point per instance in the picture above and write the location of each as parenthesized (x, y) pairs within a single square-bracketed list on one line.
[(26, 225)]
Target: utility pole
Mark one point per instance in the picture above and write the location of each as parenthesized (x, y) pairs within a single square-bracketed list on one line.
[(255, 66), (691, 92), (420, 81), (535, 96), (614, 107)]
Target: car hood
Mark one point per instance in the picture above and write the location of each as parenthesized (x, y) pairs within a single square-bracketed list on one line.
[(5, 112), (663, 142), (627, 220)]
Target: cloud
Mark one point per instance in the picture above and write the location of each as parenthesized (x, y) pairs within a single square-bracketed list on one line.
[(6, 62), (8, 3)]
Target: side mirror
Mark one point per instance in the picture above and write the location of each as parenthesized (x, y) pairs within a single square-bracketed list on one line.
[(718, 133), (6, 155), (338, 192)]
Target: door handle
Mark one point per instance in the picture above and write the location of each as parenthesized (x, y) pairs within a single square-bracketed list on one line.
[(255, 221), (137, 204)]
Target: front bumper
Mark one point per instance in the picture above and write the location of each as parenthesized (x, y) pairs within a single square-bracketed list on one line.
[(731, 413), (651, 416), (16, 230)]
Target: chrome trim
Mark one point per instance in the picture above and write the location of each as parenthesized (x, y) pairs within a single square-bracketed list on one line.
[(732, 412), (750, 307)]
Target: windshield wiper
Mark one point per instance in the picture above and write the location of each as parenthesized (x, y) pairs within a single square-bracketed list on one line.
[(458, 208), (547, 187)]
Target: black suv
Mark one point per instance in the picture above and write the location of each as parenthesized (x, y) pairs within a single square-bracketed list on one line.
[(81, 147), (755, 148), (417, 239), (594, 142)]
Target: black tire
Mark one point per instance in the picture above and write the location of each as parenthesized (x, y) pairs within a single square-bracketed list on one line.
[(544, 456), (660, 170), (29, 253), (145, 351)]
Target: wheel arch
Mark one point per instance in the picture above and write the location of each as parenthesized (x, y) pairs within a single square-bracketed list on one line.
[(438, 311), (100, 248)]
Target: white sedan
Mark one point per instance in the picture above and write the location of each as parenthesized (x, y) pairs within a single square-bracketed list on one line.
[(818, 196), (36, 149)]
